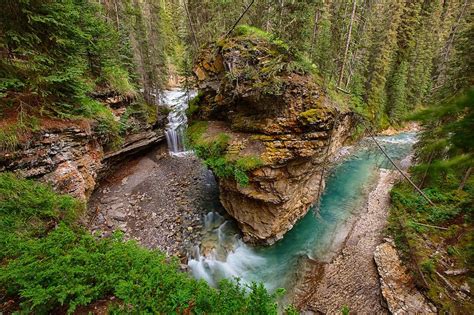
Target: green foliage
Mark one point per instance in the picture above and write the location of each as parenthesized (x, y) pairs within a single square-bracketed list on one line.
[(248, 163), (193, 105), (275, 60), (136, 116), (312, 116), (118, 80), (345, 310), (47, 262), (428, 266), (11, 134), (107, 127), (251, 31), (59, 52), (213, 153), (415, 225), (30, 209)]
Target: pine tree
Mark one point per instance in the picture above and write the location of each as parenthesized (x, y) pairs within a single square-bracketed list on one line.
[(381, 54)]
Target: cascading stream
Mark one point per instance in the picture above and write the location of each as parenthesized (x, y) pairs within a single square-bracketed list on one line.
[(318, 235), (177, 101)]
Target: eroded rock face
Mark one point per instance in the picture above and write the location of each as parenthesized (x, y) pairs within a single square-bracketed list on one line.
[(397, 285), (70, 156), (251, 91)]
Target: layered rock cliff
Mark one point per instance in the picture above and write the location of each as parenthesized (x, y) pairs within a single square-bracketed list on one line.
[(267, 102), (71, 155)]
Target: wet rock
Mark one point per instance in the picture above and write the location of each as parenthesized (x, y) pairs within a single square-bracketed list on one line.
[(100, 218), (397, 285), (71, 156)]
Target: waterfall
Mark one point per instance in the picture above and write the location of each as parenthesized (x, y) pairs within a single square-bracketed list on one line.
[(177, 101)]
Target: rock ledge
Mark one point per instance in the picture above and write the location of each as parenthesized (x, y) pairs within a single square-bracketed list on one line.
[(396, 283)]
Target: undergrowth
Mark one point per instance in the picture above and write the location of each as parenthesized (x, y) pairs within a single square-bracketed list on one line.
[(49, 263), (276, 59), (193, 105), (11, 135), (432, 239), (213, 153)]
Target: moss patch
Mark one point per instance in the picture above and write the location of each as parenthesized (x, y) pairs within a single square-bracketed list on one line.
[(193, 105), (213, 151), (434, 239)]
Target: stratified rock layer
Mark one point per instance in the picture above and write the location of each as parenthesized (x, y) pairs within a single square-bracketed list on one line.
[(71, 159), (252, 90), (71, 156), (397, 285)]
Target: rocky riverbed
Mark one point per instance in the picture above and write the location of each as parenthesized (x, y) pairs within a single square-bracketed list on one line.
[(350, 278), (157, 200)]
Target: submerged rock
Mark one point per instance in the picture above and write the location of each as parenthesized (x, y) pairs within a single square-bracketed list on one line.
[(267, 102), (397, 285)]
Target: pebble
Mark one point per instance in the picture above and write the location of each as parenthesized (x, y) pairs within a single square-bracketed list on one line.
[(163, 210)]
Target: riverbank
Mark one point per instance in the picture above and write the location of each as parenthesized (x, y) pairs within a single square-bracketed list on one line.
[(157, 200), (350, 278)]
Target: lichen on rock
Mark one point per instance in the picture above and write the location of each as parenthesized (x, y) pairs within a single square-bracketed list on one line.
[(267, 100)]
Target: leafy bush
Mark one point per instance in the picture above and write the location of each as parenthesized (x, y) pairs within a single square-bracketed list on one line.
[(59, 51), (213, 152), (46, 266), (415, 225), (193, 105), (118, 80), (428, 266), (108, 128)]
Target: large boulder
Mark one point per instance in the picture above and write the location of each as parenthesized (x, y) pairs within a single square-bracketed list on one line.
[(269, 103)]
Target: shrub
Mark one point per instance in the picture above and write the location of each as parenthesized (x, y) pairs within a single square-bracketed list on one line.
[(118, 80), (46, 266), (428, 266), (213, 152), (193, 105), (108, 128)]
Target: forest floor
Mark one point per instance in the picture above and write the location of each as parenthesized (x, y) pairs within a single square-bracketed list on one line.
[(157, 200), (350, 279)]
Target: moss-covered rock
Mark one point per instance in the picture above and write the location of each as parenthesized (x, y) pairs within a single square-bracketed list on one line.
[(278, 119)]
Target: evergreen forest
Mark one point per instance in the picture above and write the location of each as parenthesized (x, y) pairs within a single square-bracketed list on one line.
[(104, 65)]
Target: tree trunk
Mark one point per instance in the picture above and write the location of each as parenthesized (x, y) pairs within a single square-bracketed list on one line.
[(317, 13), (348, 41), (430, 159), (196, 43), (447, 48), (465, 178), (117, 15)]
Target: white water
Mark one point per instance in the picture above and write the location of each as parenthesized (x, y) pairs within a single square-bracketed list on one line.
[(222, 253), (177, 101)]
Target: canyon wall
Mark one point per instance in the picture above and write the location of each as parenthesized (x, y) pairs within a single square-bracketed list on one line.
[(71, 156)]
